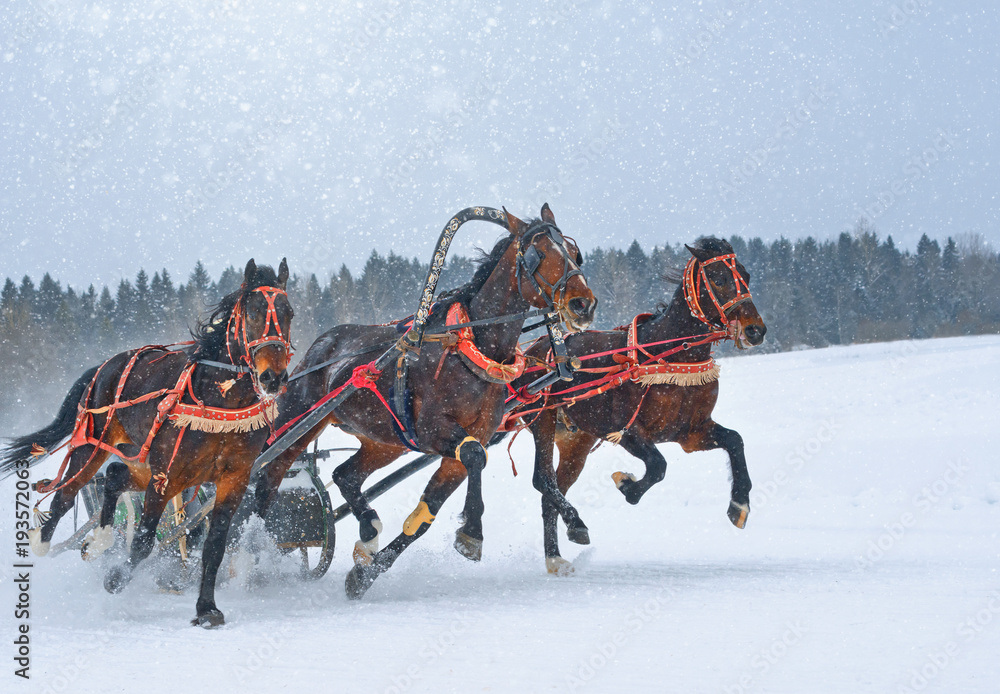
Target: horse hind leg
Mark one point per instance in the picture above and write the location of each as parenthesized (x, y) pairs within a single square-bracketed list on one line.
[(83, 465), (117, 479), (143, 541), (656, 468), (349, 476), (546, 434), (574, 448)]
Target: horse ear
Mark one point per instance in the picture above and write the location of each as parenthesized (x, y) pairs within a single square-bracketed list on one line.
[(249, 272), (283, 273), (698, 253), (547, 215), (513, 223)]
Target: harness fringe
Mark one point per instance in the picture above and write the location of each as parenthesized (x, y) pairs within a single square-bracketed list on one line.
[(224, 426)]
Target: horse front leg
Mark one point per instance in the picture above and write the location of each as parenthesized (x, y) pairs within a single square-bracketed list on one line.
[(656, 468), (443, 483), (469, 537), (714, 436), (228, 494)]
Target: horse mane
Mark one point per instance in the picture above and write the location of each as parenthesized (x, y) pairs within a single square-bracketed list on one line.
[(210, 335), (675, 275), (487, 263)]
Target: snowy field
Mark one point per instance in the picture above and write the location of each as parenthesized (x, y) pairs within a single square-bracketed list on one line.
[(869, 564)]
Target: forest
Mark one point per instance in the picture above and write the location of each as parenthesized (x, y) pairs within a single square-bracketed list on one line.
[(855, 288)]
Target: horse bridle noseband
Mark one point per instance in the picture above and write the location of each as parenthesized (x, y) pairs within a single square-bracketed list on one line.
[(238, 325), (695, 280), (529, 259)]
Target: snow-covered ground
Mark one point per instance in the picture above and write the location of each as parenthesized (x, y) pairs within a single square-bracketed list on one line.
[(869, 564)]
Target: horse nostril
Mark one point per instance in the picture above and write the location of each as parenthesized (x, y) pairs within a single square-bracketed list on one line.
[(754, 332), (266, 377), (580, 306)]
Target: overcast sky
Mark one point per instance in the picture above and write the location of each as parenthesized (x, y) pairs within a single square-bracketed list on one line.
[(151, 134)]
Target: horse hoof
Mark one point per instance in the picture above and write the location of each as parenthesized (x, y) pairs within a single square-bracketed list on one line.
[(621, 479), (364, 552), (469, 547), (209, 620), (625, 482), (738, 514), (117, 579), (39, 548), (557, 566), (359, 580), (578, 533), (97, 542)]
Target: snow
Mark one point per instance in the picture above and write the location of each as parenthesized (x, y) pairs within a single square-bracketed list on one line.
[(869, 564), (178, 130)]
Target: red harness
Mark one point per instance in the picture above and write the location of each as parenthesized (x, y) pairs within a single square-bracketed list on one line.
[(365, 376), (171, 407), (695, 280), (237, 325), (481, 365)]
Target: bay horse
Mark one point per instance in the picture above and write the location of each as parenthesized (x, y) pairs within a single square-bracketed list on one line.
[(654, 381), (456, 388), (219, 394)]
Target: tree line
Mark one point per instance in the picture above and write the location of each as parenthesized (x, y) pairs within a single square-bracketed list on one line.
[(855, 288)]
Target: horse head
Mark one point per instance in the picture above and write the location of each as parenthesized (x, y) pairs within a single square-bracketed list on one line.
[(717, 290), (259, 327), (548, 270)]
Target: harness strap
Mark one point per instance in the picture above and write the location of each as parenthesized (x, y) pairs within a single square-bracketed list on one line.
[(696, 279), (481, 365), (622, 373), (170, 407), (363, 376)]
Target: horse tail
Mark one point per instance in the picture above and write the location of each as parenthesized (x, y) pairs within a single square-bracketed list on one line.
[(19, 449)]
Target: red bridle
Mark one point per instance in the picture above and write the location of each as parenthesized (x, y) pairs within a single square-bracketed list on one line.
[(695, 280), (238, 323)]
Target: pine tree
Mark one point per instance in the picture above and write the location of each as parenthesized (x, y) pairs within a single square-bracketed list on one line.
[(926, 312), (199, 293)]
